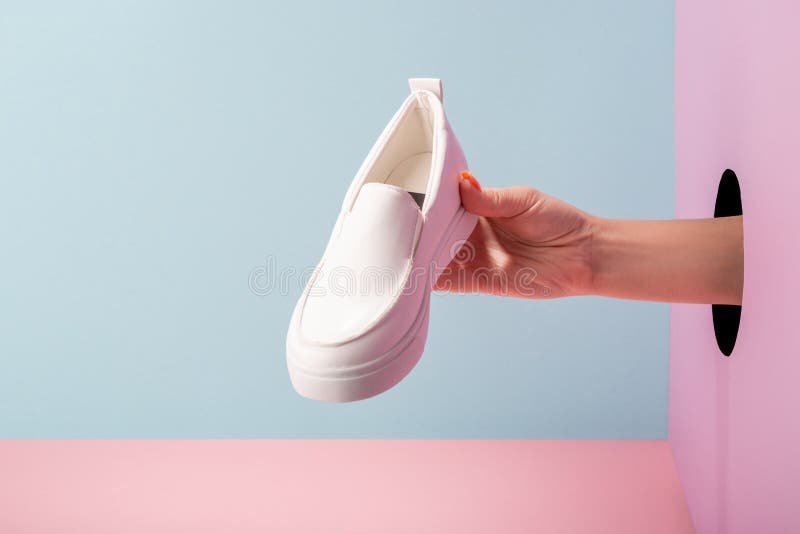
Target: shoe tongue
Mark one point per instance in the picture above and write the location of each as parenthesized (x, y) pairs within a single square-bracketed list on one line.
[(381, 225), (381, 200), (366, 265)]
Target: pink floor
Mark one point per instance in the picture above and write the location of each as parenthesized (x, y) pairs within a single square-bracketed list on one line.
[(340, 486)]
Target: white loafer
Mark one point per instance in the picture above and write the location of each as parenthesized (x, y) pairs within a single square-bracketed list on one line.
[(361, 323)]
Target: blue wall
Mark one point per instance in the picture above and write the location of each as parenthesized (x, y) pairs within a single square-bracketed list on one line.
[(153, 154)]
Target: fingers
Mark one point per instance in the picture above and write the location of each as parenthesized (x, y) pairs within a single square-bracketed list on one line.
[(504, 203)]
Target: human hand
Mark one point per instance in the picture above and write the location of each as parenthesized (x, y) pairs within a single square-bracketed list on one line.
[(529, 244), (526, 244)]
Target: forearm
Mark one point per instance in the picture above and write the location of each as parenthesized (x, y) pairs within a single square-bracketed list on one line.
[(690, 260)]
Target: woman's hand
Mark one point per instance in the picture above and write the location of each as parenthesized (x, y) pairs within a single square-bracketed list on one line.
[(529, 244), (526, 244)]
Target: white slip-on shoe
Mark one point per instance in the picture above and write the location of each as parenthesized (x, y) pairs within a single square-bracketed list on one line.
[(361, 323)]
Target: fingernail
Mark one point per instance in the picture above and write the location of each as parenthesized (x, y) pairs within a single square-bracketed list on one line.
[(471, 179)]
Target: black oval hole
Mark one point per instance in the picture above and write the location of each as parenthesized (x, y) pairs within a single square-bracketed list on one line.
[(727, 316)]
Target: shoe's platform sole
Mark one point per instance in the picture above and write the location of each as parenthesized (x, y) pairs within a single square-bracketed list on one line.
[(401, 358)]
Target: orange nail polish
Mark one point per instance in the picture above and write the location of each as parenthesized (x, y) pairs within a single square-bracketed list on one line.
[(471, 179)]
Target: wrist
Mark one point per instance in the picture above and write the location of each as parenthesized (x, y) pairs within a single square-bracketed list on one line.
[(686, 260), (599, 243)]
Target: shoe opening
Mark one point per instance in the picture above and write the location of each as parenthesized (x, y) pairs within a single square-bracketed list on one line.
[(405, 160)]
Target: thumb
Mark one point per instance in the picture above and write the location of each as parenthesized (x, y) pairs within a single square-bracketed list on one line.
[(502, 203)]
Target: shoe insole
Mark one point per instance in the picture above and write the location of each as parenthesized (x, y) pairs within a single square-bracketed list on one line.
[(412, 175)]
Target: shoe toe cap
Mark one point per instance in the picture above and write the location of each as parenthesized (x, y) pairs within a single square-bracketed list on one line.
[(328, 334)]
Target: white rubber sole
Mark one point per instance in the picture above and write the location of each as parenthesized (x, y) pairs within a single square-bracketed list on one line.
[(387, 369)]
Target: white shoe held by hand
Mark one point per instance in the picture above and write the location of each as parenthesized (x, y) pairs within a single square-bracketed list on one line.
[(361, 323)]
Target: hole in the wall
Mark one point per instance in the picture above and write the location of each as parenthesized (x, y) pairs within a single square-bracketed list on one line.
[(727, 316)]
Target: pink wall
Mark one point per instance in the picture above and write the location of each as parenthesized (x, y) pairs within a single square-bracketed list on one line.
[(733, 423), (340, 486)]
